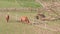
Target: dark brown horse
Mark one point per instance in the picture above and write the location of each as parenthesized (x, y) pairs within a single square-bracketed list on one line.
[(40, 16)]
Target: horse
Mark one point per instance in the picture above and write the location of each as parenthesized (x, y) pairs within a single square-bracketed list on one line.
[(7, 18), (25, 19), (40, 16)]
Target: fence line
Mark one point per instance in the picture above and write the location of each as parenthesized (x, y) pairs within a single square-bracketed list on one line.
[(19, 9)]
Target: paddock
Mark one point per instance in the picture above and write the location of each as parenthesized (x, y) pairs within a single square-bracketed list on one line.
[(13, 26)]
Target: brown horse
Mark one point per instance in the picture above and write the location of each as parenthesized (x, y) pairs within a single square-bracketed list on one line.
[(44, 18), (40, 16), (7, 18), (25, 19)]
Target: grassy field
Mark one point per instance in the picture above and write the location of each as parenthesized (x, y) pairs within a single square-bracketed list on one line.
[(18, 3), (14, 27)]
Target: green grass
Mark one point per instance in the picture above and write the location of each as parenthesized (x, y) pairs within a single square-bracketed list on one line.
[(18, 3), (30, 4), (6, 4)]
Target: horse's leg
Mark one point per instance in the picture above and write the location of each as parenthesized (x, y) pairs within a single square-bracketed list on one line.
[(7, 19)]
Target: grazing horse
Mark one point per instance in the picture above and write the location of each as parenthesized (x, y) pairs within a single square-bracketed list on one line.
[(7, 18), (24, 19), (40, 16), (44, 18)]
